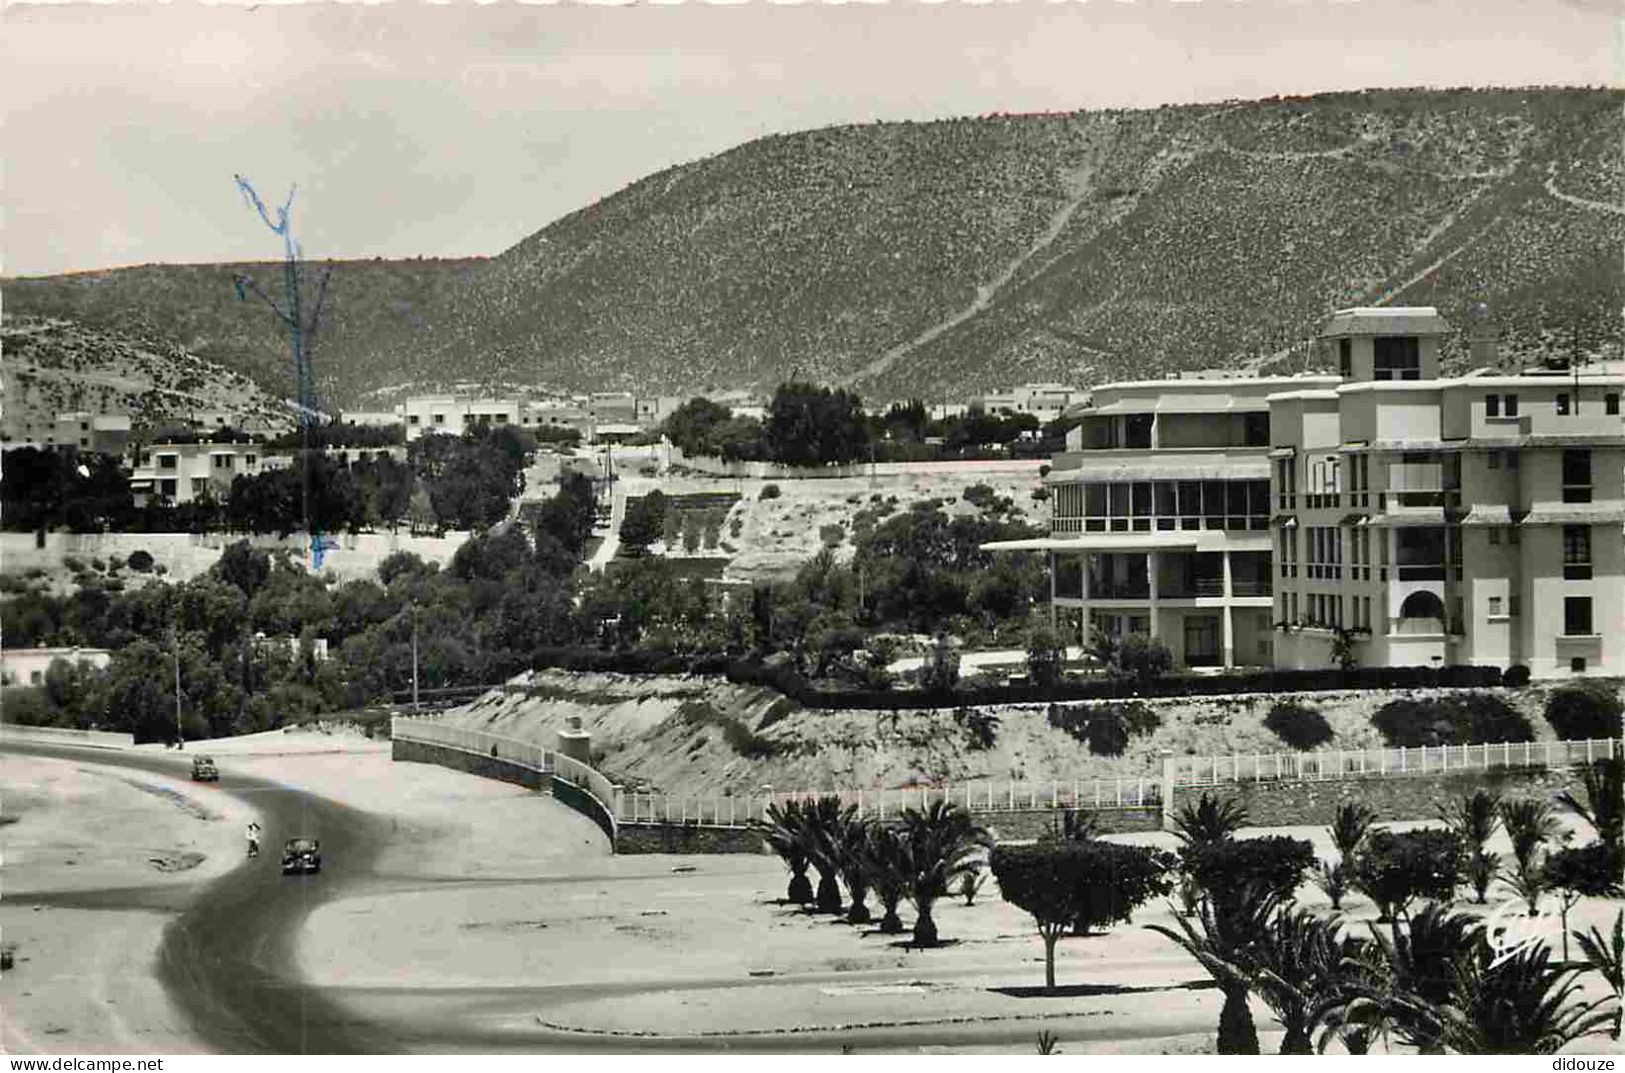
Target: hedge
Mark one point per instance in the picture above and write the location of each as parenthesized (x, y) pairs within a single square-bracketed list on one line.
[(798, 688)]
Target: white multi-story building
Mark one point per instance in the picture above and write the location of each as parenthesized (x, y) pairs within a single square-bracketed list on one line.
[(1472, 520), (1414, 520), (182, 472), (1047, 402)]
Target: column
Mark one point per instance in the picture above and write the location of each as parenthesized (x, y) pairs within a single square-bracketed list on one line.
[(1227, 623), (1083, 612), (1151, 583), (1052, 610)]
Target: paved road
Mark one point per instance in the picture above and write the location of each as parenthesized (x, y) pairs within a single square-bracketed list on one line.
[(227, 959)]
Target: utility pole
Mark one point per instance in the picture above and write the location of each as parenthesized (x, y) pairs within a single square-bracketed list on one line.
[(414, 657), (175, 650)]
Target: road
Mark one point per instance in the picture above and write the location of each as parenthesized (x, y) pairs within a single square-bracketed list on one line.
[(227, 960)]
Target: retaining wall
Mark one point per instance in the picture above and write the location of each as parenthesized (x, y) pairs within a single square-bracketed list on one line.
[(488, 767), (186, 555), (1315, 802), (686, 838), (95, 739), (1026, 824)]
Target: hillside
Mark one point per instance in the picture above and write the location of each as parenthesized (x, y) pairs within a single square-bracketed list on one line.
[(56, 366), (941, 258)]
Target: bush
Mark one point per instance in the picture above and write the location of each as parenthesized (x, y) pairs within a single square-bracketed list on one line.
[(769, 491), (1585, 710), (1394, 869), (140, 561), (1462, 719), (1143, 658), (1105, 728), (981, 728), (1516, 676), (1298, 725), (1231, 871)]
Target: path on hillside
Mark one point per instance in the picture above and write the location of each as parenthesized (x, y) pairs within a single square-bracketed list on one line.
[(1581, 202), (1080, 185)]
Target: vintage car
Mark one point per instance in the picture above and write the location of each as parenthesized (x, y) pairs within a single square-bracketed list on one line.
[(301, 855), (203, 769)]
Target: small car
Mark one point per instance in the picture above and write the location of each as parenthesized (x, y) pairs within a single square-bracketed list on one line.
[(203, 769), (301, 855)]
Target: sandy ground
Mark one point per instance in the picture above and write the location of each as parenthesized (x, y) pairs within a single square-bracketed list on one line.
[(82, 980)]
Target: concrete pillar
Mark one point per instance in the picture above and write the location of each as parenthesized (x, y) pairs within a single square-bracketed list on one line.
[(1151, 584), (1229, 626), (1052, 610), (1083, 612), (575, 742)]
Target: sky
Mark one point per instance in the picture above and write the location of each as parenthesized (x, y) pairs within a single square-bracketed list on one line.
[(454, 130)]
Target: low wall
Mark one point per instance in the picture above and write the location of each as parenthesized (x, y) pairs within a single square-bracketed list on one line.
[(1288, 803), (488, 767), (774, 471), (1026, 824), (583, 802), (186, 555), (94, 739), (687, 838)]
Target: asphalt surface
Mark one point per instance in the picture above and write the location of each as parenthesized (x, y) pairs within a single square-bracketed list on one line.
[(227, 959)]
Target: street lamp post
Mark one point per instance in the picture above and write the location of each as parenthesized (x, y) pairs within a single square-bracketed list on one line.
[(414, 657), (175, 651)]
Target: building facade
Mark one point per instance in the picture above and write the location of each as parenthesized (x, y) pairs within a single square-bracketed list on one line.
[(182, 472), (27, 666), (1383, 514), (1422, 521)]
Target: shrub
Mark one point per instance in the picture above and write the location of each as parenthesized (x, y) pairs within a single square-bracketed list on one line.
[(1045, 653), (1585, 872), (1516, 676), (73, 564), (1105, 728), (769, 491), (1143, 658), (1461, 719), (981, 728), (1298, 725), (1079, 885), (1232, 871), (1394, 869), (1585, 710)]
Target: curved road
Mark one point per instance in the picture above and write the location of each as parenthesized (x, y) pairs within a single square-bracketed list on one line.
[(227, 960)]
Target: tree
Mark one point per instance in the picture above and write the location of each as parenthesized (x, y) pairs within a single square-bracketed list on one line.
[(809, 425), (1072, 884), (1394, 869), (1475, 819), (1607, 958), (1530, 824), (1348, 830), (1212, 819), (1591, 871), (852, 844), (1410, 975), (940, 671), (1045, 654), (825, 821), (643, 523), (1296, 967), (786, 836), (939, 844), (244, 566), (1233, 870), (885, 862), (1516, 1005), (1143, 658), (1603, 806)]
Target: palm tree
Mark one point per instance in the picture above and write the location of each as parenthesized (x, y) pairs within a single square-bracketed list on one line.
[(884, 862), (1530, 823), (1607, 959), (825, 822), (1604, 804), (1224, 946), (1349, 826), (1297, 968), (1210, 820), (854, 837), (1411, 974), (1475, 819), (786, 835), (1351, 1010), (1516, 1005), (940, 844)]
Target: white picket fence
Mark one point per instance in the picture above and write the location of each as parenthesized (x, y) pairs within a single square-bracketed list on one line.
[(1428, 760), (740, 810)]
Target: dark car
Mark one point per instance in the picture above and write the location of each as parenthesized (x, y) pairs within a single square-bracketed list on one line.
[(203, 769), (301, 855)]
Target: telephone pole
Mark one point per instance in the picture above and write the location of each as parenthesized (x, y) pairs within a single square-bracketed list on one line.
[(414, 657), (175, 650)]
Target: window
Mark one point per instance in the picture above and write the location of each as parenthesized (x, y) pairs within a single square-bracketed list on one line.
[(1577, 616), (1610, 403), (1512, 406), (1345, 358), (168, 461), (1577, 476), (1495, 459), (1495, 607), (1577, 553), (1492, 406), (414, 420), (167, 488), (34, 678), (1578, 664), (440, 419), (1562, 403), (1396, 357), (1495, 534), (250, 459)]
